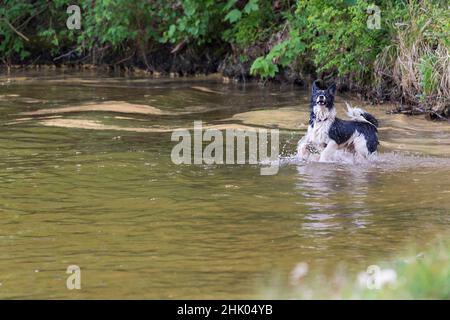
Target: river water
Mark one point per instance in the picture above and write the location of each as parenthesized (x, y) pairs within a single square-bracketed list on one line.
[(87, 179)]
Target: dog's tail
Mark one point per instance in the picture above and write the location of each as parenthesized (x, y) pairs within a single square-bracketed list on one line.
[(358, 114)]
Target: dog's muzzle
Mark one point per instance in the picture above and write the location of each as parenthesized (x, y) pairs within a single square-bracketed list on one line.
[(321, 100)]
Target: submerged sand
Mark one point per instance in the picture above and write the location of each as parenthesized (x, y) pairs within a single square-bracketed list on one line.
[(397, 132), (97, 125), (108, 106), (289, 118), (207, 90)]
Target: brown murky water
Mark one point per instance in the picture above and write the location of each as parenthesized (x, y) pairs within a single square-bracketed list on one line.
[(87, 179)]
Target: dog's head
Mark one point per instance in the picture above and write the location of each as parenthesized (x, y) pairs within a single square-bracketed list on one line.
[(322, 96)]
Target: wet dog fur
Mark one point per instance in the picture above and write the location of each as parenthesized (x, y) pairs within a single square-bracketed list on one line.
[(329, 138)]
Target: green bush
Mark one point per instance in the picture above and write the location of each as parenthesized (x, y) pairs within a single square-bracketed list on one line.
[(321, 38), (333, 35)]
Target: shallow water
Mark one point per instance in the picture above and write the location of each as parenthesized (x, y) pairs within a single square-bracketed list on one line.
[(96, 187)]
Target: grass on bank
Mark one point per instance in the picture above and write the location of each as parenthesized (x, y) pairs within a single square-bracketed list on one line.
[(418, 275), (415, 66)]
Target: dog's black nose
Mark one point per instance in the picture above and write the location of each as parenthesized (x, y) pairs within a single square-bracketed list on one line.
[(321, 99)]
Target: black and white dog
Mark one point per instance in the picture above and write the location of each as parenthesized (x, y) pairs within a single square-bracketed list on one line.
[(329, 138)]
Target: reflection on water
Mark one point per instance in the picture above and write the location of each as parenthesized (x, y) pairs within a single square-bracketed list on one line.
[(112, 202), (320, 184)]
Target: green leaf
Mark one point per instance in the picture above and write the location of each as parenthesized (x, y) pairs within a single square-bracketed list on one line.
[(171, 31), (252, 5), (229, 5), (233, 16)]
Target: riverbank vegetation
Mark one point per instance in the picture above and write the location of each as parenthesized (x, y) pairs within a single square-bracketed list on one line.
[(402, 57), (416, 275)]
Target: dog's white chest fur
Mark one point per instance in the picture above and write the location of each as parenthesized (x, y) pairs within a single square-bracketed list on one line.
[(318, 134)]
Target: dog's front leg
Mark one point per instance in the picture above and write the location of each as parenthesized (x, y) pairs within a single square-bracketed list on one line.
[(329, 152), (302, 150)]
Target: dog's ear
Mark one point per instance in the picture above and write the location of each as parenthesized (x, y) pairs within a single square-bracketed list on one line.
[(332, 89), (315, 86)]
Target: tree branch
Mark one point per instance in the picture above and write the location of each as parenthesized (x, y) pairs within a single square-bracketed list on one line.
[(15, 30)]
